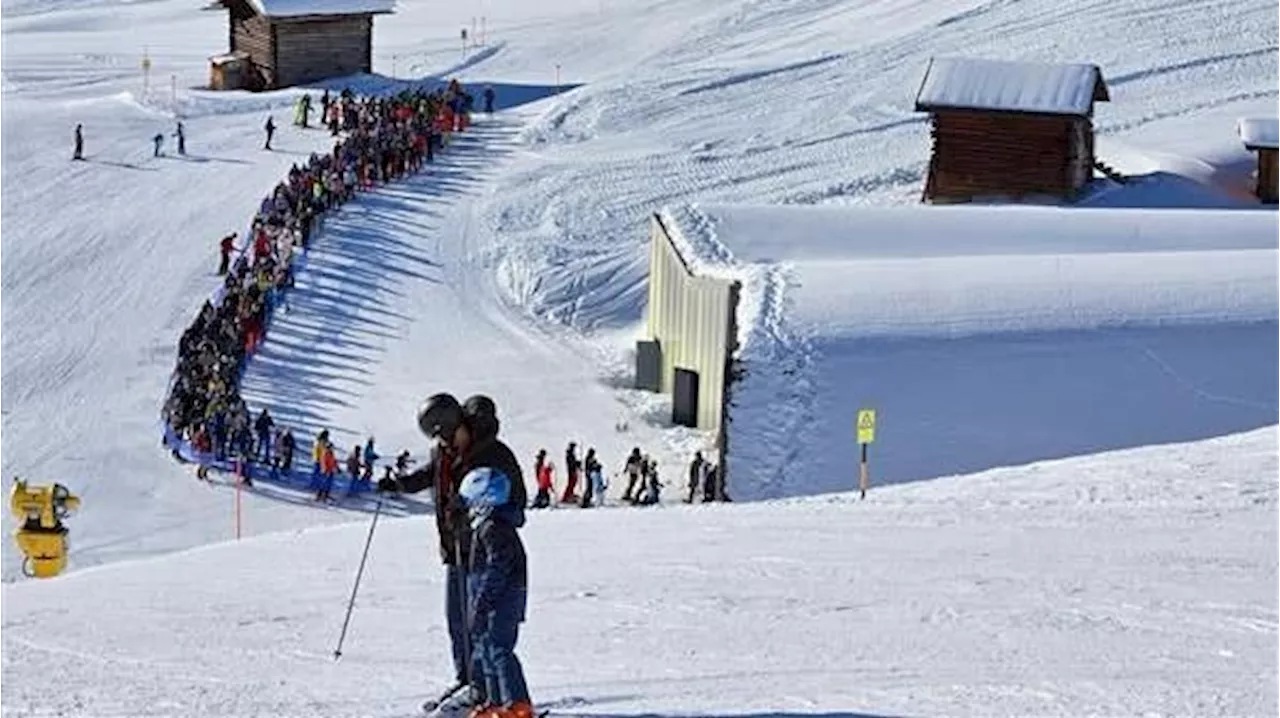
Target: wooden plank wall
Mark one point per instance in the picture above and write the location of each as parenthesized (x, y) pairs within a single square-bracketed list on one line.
[(985, 154), (252, 34), (1268, 178), (316, 48)]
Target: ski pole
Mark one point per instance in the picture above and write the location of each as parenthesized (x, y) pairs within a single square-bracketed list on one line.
[(337, 652)]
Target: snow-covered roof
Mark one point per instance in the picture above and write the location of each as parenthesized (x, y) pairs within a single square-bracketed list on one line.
[(999, 85), (298, 8), (1260, 132)]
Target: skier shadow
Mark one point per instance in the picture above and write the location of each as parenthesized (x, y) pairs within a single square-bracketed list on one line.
[(122, 165), (201, 159)]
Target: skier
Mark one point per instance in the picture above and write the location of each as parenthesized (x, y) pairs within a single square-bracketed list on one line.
[(697, 469), (226, 247), (465, 439), (403, 462), (353, 469), (182, 139), (263, 426), (498, 583), (370, 455), (328, 469), (489, 96), (633, 470), (284, 453), (302, 111), (79, 152), (595, 481), (571, 468), (270, 128), (158, 141), (542, 471), (590, 467), (653, 487)]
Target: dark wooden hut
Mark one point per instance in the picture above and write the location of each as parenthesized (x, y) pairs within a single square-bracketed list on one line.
[(1009, 129), (1262, 135), (292, 42)]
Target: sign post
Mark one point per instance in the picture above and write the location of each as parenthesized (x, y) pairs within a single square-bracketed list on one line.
[(866, 430)]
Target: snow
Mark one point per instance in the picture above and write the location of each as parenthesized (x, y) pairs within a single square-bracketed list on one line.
[(298, 8), (1136, 582), (1260, 132), (1157, 326), (998, 85)]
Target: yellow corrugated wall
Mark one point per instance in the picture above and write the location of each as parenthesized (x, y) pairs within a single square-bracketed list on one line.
[(690, 317)]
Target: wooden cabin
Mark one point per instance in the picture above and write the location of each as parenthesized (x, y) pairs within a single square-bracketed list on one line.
[(293, 42), (1262, 135), (1010, 130)]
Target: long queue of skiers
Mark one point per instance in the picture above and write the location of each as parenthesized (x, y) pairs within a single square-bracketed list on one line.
[(387, 137)]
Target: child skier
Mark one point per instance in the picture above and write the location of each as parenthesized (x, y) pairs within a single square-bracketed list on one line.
[(497, 581)]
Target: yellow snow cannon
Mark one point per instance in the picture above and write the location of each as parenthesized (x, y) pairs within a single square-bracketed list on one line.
[(41, 535)]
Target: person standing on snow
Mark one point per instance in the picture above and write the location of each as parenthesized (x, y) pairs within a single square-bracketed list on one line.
[(263, 426), (353, 469), (595, 481), (489, 96), (465, 438), (226, 247), (270, 128), (634, 467), (571, 468), (370, 456), (588, 486), (697, 469), (79, 151), (181, 134), (158, 140), (542, 472)]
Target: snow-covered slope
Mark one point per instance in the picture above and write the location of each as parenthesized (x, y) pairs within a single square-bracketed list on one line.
[(792, 102), (1136, 583)]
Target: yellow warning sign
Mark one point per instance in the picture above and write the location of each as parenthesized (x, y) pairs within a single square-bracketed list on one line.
[(866, 426)]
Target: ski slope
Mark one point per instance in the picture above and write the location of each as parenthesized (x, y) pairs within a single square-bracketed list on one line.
[(1137, 582), (1140, 582)]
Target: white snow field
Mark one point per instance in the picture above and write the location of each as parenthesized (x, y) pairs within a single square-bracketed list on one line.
[(1137, 583), (1140, 582)]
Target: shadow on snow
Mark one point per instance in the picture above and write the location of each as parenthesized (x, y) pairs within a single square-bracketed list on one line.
[(339, 318)]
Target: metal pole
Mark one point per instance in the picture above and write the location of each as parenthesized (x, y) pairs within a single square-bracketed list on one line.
[(863, 480), (377, 511)]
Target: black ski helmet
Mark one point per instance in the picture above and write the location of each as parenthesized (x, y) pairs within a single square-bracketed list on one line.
[(439, 416), (481, 415)]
